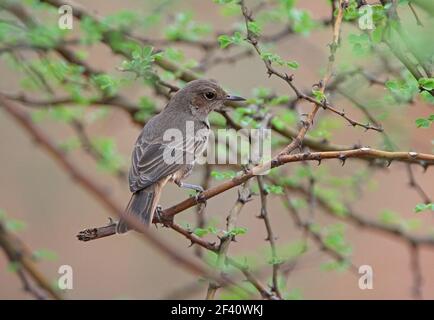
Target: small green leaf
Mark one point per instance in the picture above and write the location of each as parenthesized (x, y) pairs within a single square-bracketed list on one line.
[(422, 123), (292, 64), (223, 175), (15, 225), (237, 231), (45, 254), (319, 95), (200, 232), (274, 189), (254, 28), (427, 83), (424, 206), (224, 41), (425, 122)]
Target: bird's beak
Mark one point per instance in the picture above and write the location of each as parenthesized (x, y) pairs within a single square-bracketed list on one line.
[(234, 98)]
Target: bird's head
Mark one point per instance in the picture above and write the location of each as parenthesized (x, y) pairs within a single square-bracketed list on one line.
[(203, 96)]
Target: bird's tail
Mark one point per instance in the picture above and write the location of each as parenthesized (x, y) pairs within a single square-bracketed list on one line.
[(142, 205)]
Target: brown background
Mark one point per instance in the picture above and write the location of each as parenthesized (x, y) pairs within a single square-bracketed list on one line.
[(33, 188)]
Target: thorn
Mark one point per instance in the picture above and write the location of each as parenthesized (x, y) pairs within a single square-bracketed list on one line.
[(424, 166), (389, 162), (319, 161), (343, 158)]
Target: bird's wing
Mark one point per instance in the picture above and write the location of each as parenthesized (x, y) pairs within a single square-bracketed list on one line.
[(154, 161)]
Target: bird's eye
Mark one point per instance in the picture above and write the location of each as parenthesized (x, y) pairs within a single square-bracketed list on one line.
[(209, 95)]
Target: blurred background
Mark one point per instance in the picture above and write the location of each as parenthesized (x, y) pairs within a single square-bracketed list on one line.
[(36, 191)]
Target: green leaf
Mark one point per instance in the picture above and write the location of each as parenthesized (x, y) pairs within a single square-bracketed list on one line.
[(111, 160), (223, 175), (403, 89), (15, 225), (200, 232), (106, 83), (254, 28), (224, 41), (45, 254), (92, 31), (185, 28), (427, 83), (425, 122), (422, 123), (274, 189), (389, 217), (360, 43), (423, 206), (301, 20), (292, 64), (141, 62), (319, 95), (237, 231)]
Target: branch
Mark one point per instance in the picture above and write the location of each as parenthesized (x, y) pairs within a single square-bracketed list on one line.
[(416, 270), (244, 196), (315, 236), (17, 252), (270, 236), (360, 220)]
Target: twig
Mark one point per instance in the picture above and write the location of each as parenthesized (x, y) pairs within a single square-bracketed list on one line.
[(416, 186), (270, 237), (316, 237), (17, 252), (416, 270), (361, 220), (244, 196)]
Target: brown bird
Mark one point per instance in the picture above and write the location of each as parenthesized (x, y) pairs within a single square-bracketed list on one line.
[(157, 160)]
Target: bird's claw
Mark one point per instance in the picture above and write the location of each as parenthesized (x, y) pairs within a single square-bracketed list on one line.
[(200, 197), (165, 221)]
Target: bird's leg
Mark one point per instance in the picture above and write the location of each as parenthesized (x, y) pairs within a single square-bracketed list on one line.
[(189, 186), (199, 189), (162, 219)]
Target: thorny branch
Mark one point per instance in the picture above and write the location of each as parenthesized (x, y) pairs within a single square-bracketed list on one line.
[(299, 138)]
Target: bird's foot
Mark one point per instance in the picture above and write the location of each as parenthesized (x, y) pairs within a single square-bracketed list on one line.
[(165, 221), (200, 198)]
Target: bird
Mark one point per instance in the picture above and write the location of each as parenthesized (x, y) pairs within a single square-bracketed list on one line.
[(155, 161)]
